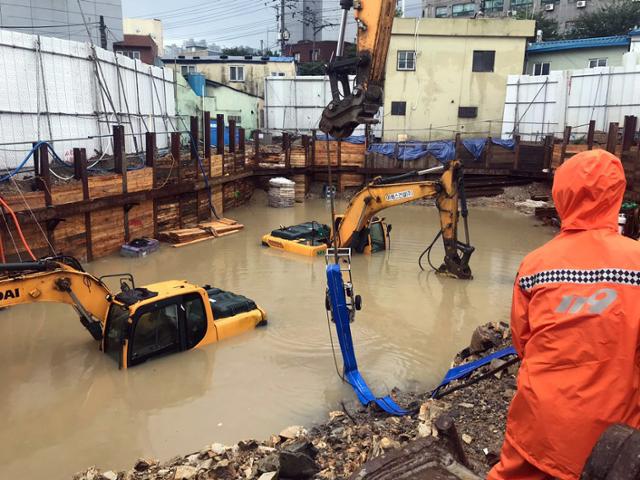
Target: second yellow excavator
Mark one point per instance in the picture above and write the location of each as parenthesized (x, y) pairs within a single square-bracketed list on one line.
[(361, 230)]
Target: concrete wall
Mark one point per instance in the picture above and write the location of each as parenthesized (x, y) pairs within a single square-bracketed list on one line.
[(576, 59), (65, 13), (254, 73), (443, 79), (145, 26), (218, 100)]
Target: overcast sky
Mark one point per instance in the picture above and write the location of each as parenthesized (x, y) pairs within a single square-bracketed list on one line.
[(224, 22)]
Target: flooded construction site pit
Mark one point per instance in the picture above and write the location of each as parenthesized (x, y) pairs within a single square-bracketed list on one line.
[(66, 406)]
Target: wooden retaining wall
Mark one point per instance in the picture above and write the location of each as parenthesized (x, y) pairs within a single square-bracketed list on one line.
[(93, 214)]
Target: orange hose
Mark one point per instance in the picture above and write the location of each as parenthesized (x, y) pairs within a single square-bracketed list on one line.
[(2, 257), (17, 224)]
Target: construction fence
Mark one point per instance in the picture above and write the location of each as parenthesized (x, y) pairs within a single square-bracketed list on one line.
[(537, 106), (72, 94)]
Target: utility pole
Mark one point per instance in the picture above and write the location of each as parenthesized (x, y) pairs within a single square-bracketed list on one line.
[(103, 33), (282, 28)]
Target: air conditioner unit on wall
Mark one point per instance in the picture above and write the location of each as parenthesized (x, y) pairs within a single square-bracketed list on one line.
[(549, 7), (581, 3)]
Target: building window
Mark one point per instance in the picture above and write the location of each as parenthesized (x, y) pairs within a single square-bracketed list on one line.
[(483, 60), (236, 73), (187, 69), (442, 12), (521, 4), (467, 112), (493, 6), (597, 62), (119, 52), (135, 55), (399, 108), (463, 9), (296, 57), (277, 74), (235, 118), (406, 60), (541, 68), (315, 55)]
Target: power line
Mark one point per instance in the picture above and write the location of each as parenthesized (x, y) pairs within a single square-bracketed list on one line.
[(16, 27)]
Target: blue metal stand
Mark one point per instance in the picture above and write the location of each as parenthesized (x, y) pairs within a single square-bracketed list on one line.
[(342, 317)]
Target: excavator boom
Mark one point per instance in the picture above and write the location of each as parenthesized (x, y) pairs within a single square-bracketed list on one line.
[(352, 106)]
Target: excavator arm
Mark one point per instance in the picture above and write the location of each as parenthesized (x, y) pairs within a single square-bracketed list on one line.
[(352, 106), (50, 280), (352, 227)]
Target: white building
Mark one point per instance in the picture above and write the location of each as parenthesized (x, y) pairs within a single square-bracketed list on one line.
[(316, 20)]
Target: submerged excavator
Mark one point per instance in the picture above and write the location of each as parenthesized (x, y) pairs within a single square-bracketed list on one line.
[(138, 323), (359, 228)]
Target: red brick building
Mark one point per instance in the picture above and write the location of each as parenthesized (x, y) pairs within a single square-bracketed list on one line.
[(139, 47), (309, 51)]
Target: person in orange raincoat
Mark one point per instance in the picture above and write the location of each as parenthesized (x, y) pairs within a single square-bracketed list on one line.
[(575, 322)]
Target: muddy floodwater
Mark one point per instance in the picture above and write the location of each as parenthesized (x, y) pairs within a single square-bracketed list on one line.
[(66, 406)]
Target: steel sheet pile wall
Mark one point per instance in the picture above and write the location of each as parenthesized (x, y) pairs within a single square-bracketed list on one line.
[(536, 106), (53, 90)]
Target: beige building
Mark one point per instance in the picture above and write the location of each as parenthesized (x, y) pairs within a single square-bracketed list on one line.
[(245, 74), (448, 75), (145, 26)]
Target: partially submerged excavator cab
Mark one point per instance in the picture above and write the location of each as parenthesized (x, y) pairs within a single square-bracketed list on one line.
[(138, 323)]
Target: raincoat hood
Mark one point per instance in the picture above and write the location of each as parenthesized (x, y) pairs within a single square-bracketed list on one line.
[(588, 190)]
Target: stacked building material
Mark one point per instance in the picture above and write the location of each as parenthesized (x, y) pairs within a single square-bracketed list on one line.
[(282, 192), (204, 231)]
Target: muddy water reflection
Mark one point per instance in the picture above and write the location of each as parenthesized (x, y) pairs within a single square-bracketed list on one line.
[(66, 406)]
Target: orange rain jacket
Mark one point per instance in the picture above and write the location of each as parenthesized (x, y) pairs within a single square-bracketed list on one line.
[(576, 323)]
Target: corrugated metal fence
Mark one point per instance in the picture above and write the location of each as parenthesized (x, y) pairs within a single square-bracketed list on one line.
[(73, 93), (536, 106)]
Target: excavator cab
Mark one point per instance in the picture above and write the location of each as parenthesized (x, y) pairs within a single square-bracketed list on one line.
[(372, 239), (166, 324), (138, 323)]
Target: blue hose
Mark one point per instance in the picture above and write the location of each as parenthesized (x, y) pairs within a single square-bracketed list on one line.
[(26, 159)]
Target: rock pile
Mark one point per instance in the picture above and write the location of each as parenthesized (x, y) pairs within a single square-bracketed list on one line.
[(340, 447)]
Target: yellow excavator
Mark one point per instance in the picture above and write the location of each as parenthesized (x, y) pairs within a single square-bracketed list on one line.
[(138, 323), (359, 228)]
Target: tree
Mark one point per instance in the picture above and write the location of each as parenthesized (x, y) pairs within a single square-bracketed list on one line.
[(238, 51), (616, 18), (548, 25), (311, 68)]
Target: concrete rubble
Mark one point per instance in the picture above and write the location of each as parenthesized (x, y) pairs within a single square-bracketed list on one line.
[(341, 446)]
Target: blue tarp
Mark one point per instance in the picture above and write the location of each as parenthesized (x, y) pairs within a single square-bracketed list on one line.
[(475, 146), (441, 150), (342, 319), (508, 144), (355, 139)]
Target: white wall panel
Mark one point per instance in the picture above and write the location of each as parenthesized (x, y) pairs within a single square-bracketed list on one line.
[(51, 91), (573, 98)]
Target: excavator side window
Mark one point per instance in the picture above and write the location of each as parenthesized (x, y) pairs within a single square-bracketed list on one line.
[(376, 235), (155, 333)]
